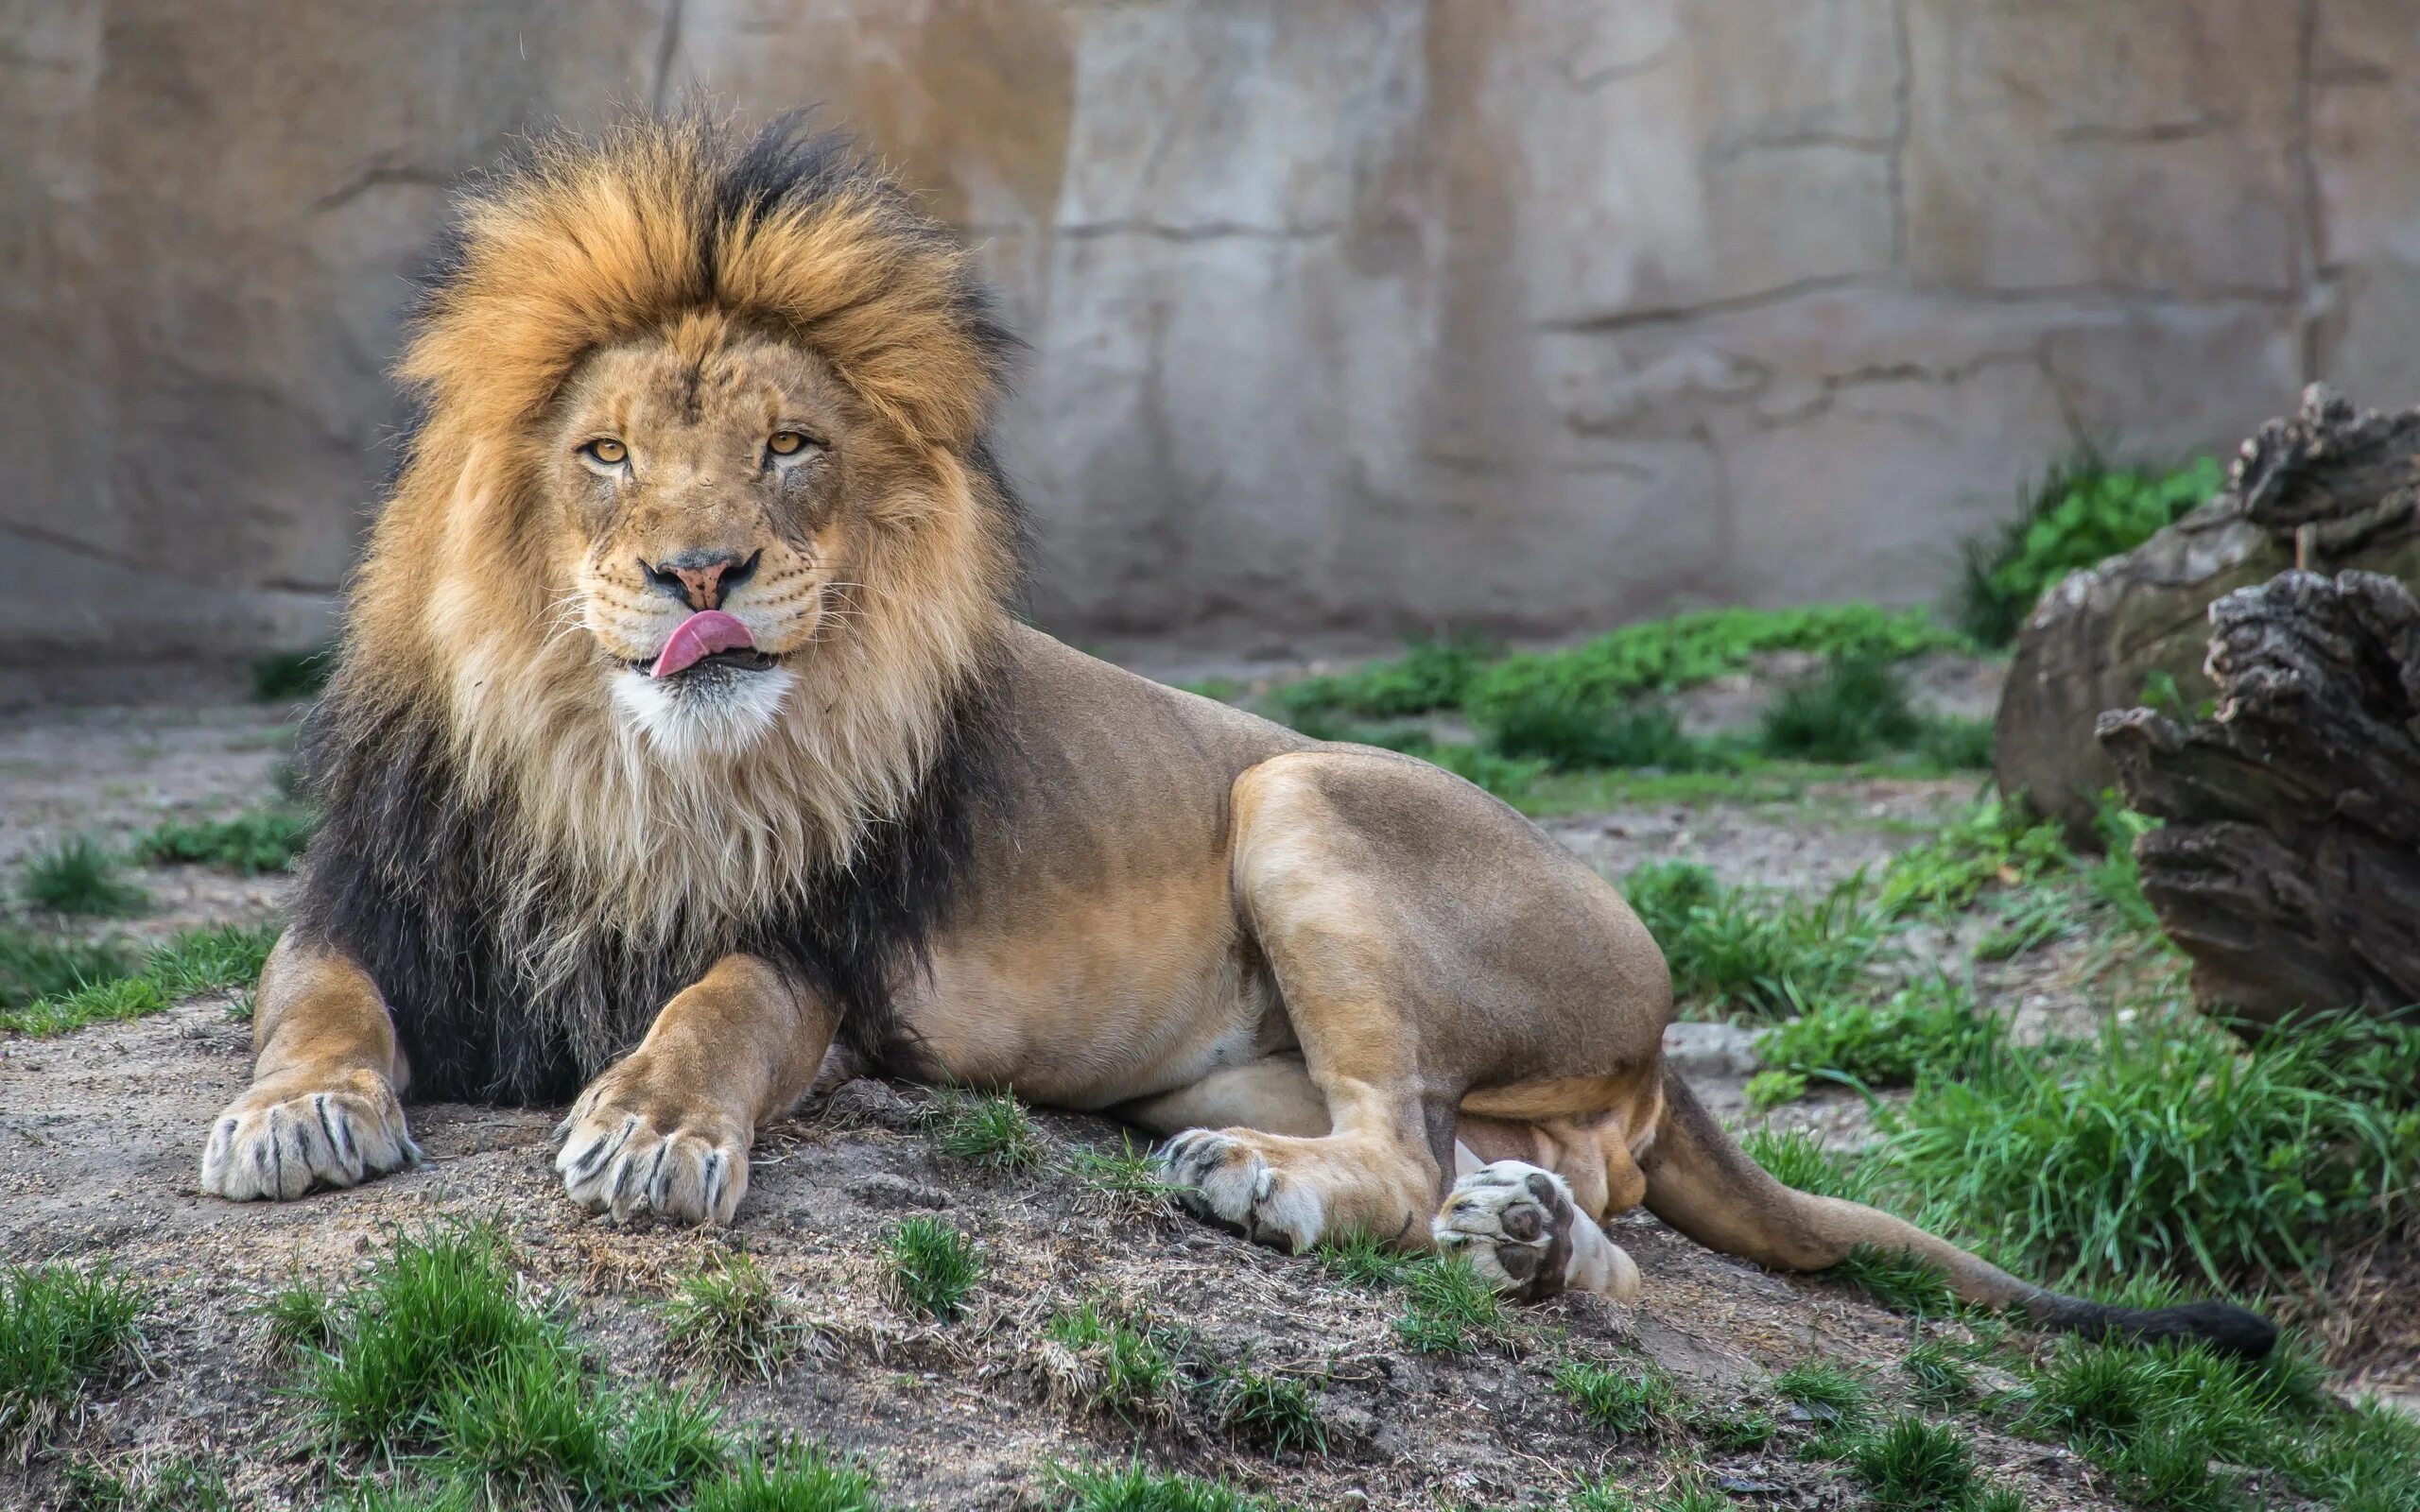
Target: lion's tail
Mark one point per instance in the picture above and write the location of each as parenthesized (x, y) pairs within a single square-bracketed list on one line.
[(1702, 1184)]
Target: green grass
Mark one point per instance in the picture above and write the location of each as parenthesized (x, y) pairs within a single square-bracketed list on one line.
[(1836, 1397), (183, 1483), (1994, 844), (1569, 737), (284, 675), (1450, 1310), (1274, 1413), (931, 1268), (33, 967), (78, 876), (61, 1331), (1931, 1027), (1647, 1402), (1795, 1160), (1119, 1183), (2114, 878), (1109, 1366), (796, 1478), (724, 1319), (299, 1318), (1366, 1260), (2084, 512), (1855, 711), (269, 839), (195, 961), (440, 1362), (1736, 950), (987, 1129), (1137, 1488), (1431, 675), (1688, 1493), (1910, 1465), (1896, 1279)]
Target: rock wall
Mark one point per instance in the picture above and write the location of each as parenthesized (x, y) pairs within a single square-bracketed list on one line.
[(1376, 314)]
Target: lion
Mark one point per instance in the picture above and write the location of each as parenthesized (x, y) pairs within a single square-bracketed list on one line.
[(684, 747)]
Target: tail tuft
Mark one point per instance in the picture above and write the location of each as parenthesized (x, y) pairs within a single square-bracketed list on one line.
[(2224, 1327)]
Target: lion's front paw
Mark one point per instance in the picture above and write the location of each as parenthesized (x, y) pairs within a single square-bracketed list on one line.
[(624, 1153), (1518, 1227), (1221, 1177), (285, 1137)]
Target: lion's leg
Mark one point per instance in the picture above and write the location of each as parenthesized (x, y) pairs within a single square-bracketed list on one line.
[(322, 1108), (667, 1129)]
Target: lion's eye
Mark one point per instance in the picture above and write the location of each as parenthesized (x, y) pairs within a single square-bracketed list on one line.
[(606, 449), (786, 444)]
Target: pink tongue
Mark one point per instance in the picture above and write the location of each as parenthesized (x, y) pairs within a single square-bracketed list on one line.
[(701, 635)]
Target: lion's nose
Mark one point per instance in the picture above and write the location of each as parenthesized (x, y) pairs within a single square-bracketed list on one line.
[(701, 579)]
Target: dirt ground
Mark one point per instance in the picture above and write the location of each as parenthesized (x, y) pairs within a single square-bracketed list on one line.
[(102, 1131)]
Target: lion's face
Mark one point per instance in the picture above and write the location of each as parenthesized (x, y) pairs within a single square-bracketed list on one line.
[(708, 495)]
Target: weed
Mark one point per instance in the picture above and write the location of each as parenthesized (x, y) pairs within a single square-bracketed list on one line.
[(1449, 1309), (1366, 1260), (797, 1478), (1833, 1396), (33, 967), (1119, 1183), (1855, 711), (78, 876), (1276, 1413), (725, 1319), (1912, 1466), (1430, 675), (2235, 1166), (989, 1129), (1107, 1366), (1646, 1403), (62, 1329), (1732, 950), (285, 675), (1136, 1489), (1937, 1376), (269, 839), (932, 1268), (2084, 512), (1932, 1027), (179, 1484), (299, 1318)]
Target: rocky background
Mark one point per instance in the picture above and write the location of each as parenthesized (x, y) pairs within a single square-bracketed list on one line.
[(1362, 315)]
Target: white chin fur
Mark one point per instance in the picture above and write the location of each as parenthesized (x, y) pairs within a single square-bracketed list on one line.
[(723, 718)]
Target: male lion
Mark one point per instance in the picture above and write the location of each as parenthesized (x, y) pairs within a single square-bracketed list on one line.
[(679, 707)]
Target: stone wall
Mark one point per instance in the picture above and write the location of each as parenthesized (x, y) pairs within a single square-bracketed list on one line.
[(1376, 314)]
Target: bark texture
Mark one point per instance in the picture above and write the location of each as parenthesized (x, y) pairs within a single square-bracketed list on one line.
[(2288, 867)]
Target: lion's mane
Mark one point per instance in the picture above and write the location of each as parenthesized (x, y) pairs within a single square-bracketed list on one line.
[(523, 878)]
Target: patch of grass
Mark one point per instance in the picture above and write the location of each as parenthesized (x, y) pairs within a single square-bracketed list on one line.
[(1633, 1405), (183, 1483), (1735, 1429), (1688, 649), (1937, 1375), (61, 1331), (1137, 1488), (78, 876), (1119, 1183), (1837, 1397), (796, 1478), (269, 839), (725, 1319), (2116, 879), (299, 1318), (1896, 1279), (1772, 1089), (2084, 512), (33, 967), (196, 961), (931, 1268), (1735, 950), (1507, 776), (1795, 1160), (1450, 1310), (1954, 744), (1688, 1493), (1910, 1465), (1932, 1027), (2174, 1150), (1274, 1413), (1366, 1260), (988, 1130), (1994, 844), (1855, 711), (1097, 1364), (1570, 737), (284, 675), (1431, 675)]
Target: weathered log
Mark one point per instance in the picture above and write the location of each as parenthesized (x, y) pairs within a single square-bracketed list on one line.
[(2329, 487), (2288, 865)]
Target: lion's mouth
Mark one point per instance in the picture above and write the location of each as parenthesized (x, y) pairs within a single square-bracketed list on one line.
[(708, 639)]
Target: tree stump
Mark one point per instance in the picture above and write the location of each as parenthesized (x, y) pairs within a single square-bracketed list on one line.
[(2329, 487), (2288, 865)]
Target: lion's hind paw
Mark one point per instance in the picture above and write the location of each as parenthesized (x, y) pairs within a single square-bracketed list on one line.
[(1518, 1227)]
